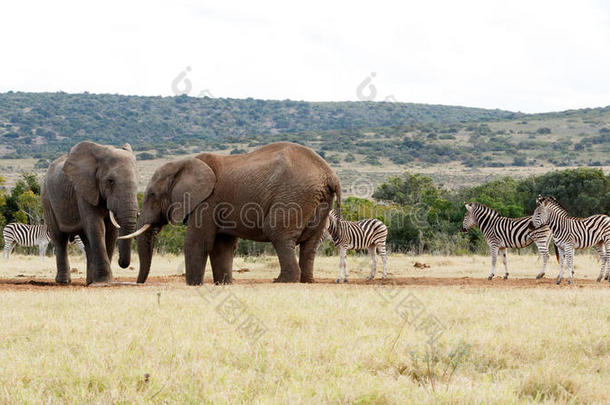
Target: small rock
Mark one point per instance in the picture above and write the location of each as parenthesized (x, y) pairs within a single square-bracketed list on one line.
[(421, 265), (244, 270)]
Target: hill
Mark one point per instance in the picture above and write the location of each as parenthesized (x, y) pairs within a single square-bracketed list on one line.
[(365, 141), (46, 123)]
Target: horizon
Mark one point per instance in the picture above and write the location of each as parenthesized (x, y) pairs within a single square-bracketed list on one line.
[(299, 101)]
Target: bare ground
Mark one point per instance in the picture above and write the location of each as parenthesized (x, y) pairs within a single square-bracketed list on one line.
[(29, 283)]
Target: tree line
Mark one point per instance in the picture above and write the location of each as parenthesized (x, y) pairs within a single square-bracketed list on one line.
[(421, 216)]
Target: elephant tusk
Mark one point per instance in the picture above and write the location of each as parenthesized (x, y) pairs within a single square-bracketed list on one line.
[(113, 220), (136, 233)]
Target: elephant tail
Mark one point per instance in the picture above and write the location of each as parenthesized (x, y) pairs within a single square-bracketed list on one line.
[(335, 187)]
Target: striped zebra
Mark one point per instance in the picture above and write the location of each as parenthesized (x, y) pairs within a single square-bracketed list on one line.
[(365, 234), (502, 233), (16, 233), (570, 233)]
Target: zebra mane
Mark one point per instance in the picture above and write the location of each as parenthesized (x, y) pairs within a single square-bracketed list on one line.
[(551, 199), (486, 208)]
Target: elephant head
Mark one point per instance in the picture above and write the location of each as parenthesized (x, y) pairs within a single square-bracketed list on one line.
[(175, 190), (106, 177)]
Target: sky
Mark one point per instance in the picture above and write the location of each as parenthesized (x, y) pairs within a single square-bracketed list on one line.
[(529, 56)]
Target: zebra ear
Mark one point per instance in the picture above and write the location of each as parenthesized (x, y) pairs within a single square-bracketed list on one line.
[(468, 206)]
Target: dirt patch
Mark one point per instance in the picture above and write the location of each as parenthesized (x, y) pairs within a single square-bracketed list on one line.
[(463, 282)]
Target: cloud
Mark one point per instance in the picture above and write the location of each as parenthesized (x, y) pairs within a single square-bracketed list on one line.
[(528, 56)]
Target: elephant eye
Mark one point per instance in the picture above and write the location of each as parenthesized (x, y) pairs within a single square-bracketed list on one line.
[(110, 181)]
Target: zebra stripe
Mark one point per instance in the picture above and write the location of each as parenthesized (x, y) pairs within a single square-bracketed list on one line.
[(368, 234), (16, 233), (501, 233), (570, 233)]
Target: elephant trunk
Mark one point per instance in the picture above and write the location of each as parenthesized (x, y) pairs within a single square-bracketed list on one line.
[(145, 251), (127, 221)]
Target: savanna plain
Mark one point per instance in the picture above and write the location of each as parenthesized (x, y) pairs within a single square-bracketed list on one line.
[(437, 334)]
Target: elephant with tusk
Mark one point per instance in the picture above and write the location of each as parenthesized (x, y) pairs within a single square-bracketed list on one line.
[(281, 193), (91, 192)]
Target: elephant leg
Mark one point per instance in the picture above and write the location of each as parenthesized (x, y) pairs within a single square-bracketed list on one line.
[(61, 258), (98, 265), (289, 268), (88, 256), (196, 250), (307, 255), (112, 233), (221, 258)]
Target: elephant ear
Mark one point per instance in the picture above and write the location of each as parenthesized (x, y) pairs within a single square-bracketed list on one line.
[(81, 169), (192, 184)]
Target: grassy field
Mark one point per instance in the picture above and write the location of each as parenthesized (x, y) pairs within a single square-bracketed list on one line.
[(257, 342)]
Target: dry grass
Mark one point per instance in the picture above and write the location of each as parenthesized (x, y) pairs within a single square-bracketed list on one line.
[(318, 343)]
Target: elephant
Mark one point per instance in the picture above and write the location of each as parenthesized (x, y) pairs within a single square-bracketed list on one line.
[(81, 194), (281, 193)]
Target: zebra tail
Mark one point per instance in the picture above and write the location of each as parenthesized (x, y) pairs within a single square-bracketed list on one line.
[(556, 252), (335, 186)]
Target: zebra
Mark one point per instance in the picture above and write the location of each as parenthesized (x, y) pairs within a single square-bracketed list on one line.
[(501, 233), (570, 233), (365, 234), (17, 233)]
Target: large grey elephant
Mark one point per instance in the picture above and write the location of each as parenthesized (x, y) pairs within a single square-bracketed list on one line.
[(281, 193), (91, 192)]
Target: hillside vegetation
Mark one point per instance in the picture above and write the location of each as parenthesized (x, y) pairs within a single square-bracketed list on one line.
[(366, 142)]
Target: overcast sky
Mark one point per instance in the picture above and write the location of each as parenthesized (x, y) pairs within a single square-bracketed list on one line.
[(529, 56)]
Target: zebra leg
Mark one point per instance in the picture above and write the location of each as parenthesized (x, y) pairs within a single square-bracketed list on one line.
[(8, 247), (602, 255), (607, 252), (544, 254), (346, 269), (341, 262), (562, 259), (384, 258), (494, 258), (570, 265), (372, 252), (505, 262), (42, 249)]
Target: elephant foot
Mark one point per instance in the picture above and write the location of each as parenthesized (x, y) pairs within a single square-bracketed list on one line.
[(307, 280), (63, 279), (283, 278)]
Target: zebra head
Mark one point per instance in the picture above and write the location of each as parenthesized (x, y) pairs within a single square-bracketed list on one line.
[(541, 213), (547, 207), (470, 219)]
